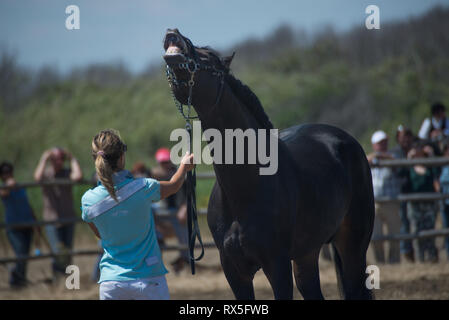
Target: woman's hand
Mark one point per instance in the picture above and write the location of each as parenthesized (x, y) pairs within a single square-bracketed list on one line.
[(171, 187), (187, 161)]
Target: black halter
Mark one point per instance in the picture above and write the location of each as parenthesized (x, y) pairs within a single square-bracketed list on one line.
[(192, 67), (192, 218)]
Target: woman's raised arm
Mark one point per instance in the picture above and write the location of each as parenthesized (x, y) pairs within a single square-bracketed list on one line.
[(171, 187)]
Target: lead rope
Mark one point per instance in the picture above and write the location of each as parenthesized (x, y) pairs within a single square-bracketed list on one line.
[(193, 229), (192, 216)]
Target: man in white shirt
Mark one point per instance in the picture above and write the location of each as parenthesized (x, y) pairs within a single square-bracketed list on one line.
[(437, 125), (387, 184)]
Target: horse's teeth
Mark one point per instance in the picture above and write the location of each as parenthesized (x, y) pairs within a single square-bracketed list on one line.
[(173, 49)]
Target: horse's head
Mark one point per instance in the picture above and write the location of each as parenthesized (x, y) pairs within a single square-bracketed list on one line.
[(199, 71)]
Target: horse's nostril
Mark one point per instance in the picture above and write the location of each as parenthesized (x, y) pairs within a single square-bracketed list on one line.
[(172, 39)]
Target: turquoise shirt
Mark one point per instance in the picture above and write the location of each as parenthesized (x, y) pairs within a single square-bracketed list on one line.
[(127, 229)]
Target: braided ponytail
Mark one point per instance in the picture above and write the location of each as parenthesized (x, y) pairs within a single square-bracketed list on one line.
[(107, 148)]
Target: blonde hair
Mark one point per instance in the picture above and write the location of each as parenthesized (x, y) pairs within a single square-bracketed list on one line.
[(107, 148)]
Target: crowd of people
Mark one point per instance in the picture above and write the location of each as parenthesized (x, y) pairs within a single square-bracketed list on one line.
[(58, 208), (394, 217), (58, 211)]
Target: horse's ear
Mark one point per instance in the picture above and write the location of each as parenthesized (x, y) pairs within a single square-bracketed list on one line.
[(227, 60)]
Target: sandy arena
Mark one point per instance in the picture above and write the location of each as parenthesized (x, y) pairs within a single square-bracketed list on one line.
[(404, 281)]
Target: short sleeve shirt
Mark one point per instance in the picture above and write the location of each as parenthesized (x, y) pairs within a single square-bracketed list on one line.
[(127, 228), (17, 207)]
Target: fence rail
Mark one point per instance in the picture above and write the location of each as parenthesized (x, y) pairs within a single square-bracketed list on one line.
[(429, 162), (90, 252)]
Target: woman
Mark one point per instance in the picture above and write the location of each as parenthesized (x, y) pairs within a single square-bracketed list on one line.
[(118, 211), (422, 214)]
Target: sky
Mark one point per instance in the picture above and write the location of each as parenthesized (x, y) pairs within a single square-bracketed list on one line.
[(132, 31)]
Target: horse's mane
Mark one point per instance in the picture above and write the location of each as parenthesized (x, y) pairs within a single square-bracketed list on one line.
[(250, 100), (208, 51), (242, 91)]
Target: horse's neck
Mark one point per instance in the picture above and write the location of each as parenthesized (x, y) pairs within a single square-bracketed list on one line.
[(238, 181)]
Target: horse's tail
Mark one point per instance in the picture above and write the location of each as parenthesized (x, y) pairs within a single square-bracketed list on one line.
[(351, 241), (338, 269)]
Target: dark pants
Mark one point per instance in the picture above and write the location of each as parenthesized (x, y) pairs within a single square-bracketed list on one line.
[(61, 241), (405, 245), (20, 240), (422, 217), (445, 216)]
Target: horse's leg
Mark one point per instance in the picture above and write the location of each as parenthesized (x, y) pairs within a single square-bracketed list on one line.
[(307, 276), (241, 283), (350, 245), (279, 274)]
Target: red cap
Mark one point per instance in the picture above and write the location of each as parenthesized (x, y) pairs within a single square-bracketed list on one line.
[(162, 155)]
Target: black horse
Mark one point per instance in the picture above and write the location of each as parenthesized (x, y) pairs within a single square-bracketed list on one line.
[(321, 192)]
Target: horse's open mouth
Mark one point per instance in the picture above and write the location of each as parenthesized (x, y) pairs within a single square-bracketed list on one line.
[(175, 48)]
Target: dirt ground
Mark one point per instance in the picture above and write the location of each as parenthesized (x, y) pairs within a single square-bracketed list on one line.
[(403, 281)]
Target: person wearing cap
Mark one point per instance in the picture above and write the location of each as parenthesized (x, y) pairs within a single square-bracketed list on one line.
[(386, 184), (176, 204)]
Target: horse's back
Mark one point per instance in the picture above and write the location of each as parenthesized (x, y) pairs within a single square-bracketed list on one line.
[(316, 145), (330, 166)]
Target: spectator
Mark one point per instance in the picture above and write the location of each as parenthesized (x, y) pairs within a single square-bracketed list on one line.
[(386, 183), (422, 214), (119, 212), (437, 126), (404, 138), (139, 170), (17, 210), (176, 203), (444, 188), (58, 202)]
